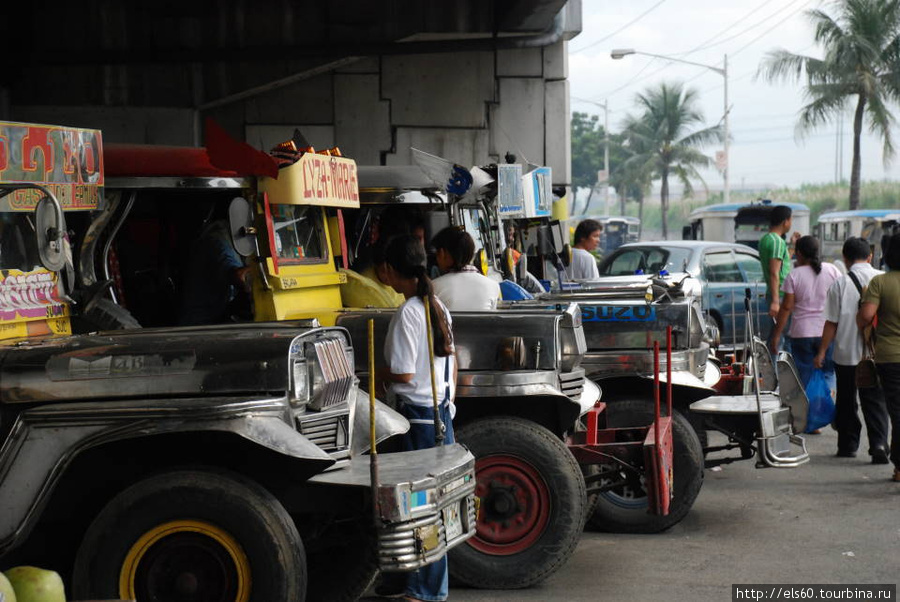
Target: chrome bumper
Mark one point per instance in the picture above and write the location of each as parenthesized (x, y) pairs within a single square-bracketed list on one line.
[(426, 502), (605, 364)]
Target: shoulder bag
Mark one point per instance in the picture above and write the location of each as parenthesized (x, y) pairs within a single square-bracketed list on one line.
[(866, 373)]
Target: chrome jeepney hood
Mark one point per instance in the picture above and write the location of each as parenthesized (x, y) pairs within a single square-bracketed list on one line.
[(154, 363)]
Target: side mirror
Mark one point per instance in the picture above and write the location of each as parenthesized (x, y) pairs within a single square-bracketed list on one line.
[(240, 222), (50, 227)]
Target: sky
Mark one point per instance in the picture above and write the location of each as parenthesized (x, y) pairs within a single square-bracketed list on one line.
[(764, 148)]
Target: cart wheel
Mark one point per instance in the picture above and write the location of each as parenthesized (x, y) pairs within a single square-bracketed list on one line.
[(192, 535), (532, 505), (624, 509)]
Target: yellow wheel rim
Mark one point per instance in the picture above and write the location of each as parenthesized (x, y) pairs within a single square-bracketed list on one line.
[(150, 538)]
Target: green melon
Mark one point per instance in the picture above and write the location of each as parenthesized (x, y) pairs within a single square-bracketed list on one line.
[(36, 585), (7, 594)]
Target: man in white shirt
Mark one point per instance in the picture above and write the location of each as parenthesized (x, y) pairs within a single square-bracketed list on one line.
[(462, 287), (584, 265), (841, 306)]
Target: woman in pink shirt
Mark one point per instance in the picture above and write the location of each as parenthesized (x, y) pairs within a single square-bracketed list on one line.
[(805, 290)]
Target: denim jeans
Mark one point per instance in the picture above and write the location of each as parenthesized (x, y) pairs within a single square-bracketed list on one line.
[(429, 582), (890, 384)]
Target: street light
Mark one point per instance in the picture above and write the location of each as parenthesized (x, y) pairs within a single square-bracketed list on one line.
[(620, 53)]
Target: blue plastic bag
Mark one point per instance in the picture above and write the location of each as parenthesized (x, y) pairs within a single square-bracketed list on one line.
[(821, 404)]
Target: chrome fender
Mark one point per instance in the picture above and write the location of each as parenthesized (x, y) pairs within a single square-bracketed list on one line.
[(388, 422), (44, 441)]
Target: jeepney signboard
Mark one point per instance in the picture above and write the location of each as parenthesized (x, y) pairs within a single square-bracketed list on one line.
[(67, 161), (30, 303), (315, 180), (509, 190)]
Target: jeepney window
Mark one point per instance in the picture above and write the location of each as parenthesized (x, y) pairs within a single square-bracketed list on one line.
[(298, 234), (16, 232), (750, 232), (474, 225)]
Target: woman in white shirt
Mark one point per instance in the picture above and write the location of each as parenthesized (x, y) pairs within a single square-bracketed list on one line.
[(408, 375), (461, 287), (584, 265)]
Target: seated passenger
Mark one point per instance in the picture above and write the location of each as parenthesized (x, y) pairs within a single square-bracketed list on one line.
[(215, 276), (462, 287), (584, 265), (368, 288)]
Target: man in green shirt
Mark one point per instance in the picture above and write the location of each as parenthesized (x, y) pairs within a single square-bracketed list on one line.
[(775, 256), (882, 299)]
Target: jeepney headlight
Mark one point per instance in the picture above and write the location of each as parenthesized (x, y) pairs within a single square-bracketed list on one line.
[(301, 381)]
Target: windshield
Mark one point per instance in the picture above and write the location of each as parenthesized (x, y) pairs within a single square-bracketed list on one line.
[(645, 260), (298, 233), (749, 234)]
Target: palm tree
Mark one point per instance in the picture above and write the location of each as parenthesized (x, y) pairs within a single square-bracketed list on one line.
[(862, 59), (631, 181), (662, 141)]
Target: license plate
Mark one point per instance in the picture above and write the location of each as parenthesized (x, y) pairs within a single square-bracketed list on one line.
[(452, 523)]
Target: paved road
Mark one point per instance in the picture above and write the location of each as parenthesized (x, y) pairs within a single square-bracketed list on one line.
[(834, 520)]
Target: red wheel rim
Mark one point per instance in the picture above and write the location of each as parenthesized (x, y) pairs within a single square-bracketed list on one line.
[(515, 505)]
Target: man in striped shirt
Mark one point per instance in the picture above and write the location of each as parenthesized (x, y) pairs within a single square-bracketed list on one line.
[(775, 256)]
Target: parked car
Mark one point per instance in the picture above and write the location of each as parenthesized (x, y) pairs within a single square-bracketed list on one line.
[(723, 270)]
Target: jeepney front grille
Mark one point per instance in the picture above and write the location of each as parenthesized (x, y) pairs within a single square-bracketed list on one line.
[(572, 383), (399, 549), (334, 377), (329, 433)]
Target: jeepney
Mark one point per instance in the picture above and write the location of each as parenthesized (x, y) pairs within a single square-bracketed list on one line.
[(532, 510), (744, 223), (873, 225), (224, 462), (623, 321), (489, 395)]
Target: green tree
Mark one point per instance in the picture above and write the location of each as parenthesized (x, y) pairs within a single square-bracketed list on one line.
[(663, 142), (630, 180), (587, 154), (862, 60)]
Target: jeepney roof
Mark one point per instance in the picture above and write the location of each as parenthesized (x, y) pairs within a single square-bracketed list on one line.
[(836, 216), (733, 208)]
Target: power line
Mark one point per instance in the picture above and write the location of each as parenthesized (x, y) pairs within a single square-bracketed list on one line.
[(621, 29), (739, 21), (748, 29), (768, 31)]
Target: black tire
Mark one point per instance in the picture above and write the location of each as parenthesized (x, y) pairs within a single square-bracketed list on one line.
[(624, 510), (228, 533), (532, 505), (341, 562), (104, 315)]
